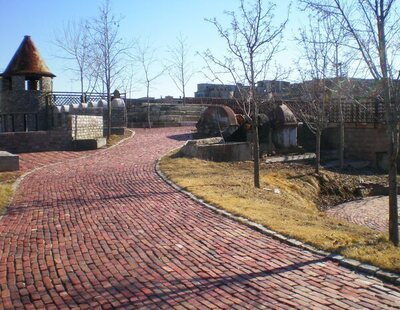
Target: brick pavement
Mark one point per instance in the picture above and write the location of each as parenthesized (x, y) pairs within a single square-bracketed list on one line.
[(105, 231), (29, 161), (372, 212)]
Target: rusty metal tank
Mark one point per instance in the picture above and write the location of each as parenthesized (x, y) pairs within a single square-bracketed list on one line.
[(216, 121)]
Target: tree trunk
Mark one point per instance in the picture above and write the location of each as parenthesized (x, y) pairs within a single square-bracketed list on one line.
[(256, 153), (341, 135), (82, 92), (341, 145), (256, 147), (392, 130), (148, 105), (317, 150), (109, 113), (393, 208)]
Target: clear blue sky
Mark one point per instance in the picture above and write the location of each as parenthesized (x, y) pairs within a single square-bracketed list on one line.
[(160, 21)]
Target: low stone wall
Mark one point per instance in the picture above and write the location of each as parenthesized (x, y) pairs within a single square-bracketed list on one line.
[(36, 141), (85, 127), (163, 114), (8, 161), (75, 132), (118, 117), (362, 141), (214, 149), (118, 120)]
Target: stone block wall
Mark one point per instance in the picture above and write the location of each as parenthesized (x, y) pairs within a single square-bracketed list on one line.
[(163, 114), (36, 141), (73, 129), (21, 103), (118, 119), (118, 116), (85, 127), (362, 141)]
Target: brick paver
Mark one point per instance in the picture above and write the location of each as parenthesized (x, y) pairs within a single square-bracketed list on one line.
[(372, 212), (29, 161), (105, 231)]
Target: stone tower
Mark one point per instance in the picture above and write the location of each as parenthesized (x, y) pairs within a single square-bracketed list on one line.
[(24, 86)]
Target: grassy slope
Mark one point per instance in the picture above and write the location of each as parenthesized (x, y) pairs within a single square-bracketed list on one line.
[(293, 212)]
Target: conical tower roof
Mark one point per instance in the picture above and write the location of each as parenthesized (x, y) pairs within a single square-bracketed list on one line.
[(27, 61)]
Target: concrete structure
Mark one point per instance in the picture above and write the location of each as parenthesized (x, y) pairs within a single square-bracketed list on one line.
[(272, 86), (216, 150), (8, 161), (163, 114), (226, 91), (284, 125), (73, 132), (23, 88), (208, 90)]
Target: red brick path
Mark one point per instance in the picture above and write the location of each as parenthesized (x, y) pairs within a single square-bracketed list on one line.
[(105, 231), (29, 161), (372, 212)]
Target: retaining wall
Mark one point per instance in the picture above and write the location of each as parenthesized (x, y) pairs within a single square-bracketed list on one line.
[(362, 141), (76, 132), (163, 114)]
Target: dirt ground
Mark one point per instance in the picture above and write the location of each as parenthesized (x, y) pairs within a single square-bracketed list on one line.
[(336, 186)]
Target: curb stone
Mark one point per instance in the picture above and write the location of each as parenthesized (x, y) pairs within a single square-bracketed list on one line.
[(352, 264)]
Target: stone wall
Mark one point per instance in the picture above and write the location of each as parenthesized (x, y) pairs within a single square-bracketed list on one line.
[(118, 120), (216, 150), (36, 141), (118, 115), (362, 141), (85, 127), (163, 114), (17, 104), (69, 134)]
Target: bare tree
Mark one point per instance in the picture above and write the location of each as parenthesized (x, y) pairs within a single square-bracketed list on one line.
[(327, 59), (151, 68), (373, 25), (75, 47), (180, 67), (314, 90), (336, 37), (109, 51), (252, 40)]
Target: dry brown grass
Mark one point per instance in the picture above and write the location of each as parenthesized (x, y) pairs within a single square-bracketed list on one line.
[(293, 212), (114, 139), (6, 181)]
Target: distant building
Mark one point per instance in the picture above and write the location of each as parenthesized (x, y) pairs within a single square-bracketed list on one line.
[(208, 90), (272, 86)]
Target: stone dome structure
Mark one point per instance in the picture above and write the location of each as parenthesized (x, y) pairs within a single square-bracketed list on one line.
[(281, 115)]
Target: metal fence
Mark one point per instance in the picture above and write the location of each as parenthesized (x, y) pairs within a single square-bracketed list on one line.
[(67, 98), (353, 111)]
